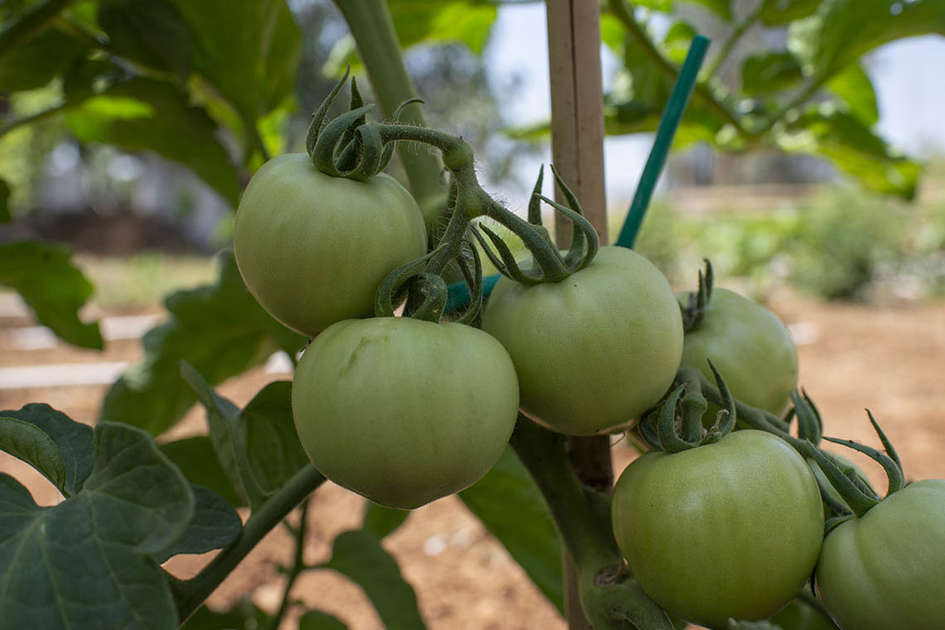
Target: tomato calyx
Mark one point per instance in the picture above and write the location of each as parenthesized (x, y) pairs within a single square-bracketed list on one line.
[(838, 479), (675, 424), (352, 147), (698, 301), (549, 265)]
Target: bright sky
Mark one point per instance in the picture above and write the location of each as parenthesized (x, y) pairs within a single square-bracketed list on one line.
[(907, 76)]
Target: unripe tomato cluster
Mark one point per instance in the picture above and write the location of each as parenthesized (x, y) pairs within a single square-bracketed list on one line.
[(405, 411)]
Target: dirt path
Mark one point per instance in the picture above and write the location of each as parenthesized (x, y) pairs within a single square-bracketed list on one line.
[(891, 360)]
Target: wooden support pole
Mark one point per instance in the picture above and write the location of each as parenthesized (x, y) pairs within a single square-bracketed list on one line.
[(577, 149), (577, 111)]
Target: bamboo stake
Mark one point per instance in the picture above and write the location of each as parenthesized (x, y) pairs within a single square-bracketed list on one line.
[(577, 141)]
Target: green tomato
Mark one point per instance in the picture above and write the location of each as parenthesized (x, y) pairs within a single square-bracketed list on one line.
[(313, 248), (404, 411), (749, 346), (886, 570), (799, 615), (730, 529), (593, 351)]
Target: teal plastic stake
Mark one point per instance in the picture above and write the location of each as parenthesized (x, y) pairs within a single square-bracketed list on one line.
[(678, 99)]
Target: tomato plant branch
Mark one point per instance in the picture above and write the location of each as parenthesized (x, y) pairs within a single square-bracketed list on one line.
[(702, 90), (810, 88), (610, 597), (29, 119), (544, 454), (373, 30), (298, 565), (739, 30), (348, 146), (190, 594), (30, 24)]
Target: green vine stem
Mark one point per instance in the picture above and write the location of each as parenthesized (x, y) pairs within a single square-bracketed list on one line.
[(298, 565), (190, 594), (373, 30), (611, 598), (348, 146)]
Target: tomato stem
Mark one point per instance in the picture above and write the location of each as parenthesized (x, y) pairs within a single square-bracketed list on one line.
[(609, 596), (190, 594)]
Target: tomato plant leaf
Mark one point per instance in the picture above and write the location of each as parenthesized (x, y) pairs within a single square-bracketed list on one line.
[(318, 620), (853, 147), (770, 71), (854, 87), (153, 115), (380, 520), (84, 562), (28, 443), (227, 435), (52, 287), (248, 50), (38, 60), (214, 525), (511, 507), (663, 6), (243, 616), (150, 32), (4, 201), (678, 39), (219, 329), (442, 22), (843, 30), (721, 8), (359, 556), (199, 463), (272, 445), (780, 12), (51, 442)]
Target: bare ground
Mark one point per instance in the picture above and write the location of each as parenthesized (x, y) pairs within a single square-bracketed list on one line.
[(890, 359)]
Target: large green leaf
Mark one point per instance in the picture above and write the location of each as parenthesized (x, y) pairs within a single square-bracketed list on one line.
[(770, 71), (228, 437), (380, 520), (272, 445), (197, 459), (50, 442), (853, 147), (84, 563), (664, 6), (855, 88), (150, 32), (248, 49), (722, 8), (318, 620), (147, 114), (243, 616), (843, 30), (39, 59), (220, 330), (214, 525), (359, 556), (52, 287), (457, 21), (780, 12), (4, 201), (509, 504)]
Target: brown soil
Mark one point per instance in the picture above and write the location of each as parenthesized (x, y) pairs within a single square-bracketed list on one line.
[(890, 359)]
